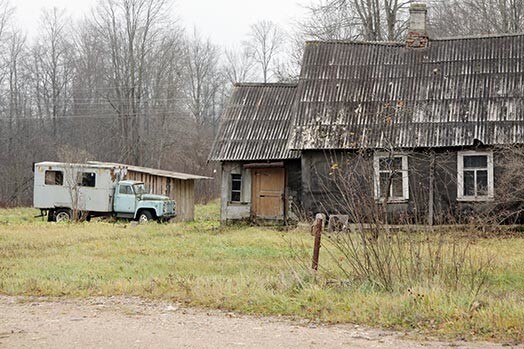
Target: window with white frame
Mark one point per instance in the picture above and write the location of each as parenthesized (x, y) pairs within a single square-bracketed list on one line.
[(475, 176), (391, 177), (236, 187)]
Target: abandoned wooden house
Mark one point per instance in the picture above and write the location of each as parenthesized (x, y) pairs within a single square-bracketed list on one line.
[(425, 117), (175, 185)]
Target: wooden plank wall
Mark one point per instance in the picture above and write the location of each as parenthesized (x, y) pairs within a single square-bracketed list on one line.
[(182, 191)]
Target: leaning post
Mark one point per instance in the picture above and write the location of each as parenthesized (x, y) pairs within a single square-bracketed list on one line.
[(318, 225)]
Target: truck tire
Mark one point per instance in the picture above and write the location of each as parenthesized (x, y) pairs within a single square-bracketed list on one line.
[(145, 216), (62, 215)]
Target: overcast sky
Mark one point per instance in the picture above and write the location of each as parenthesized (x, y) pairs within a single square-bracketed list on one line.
[(226, 22)]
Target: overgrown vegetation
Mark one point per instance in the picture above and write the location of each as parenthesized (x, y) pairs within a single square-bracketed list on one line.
[(259, 271), (397, 261)]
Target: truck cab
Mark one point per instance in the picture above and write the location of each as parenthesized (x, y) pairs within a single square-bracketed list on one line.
[(132, 201)]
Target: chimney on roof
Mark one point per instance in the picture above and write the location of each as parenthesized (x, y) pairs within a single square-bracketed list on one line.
[(418, 33)]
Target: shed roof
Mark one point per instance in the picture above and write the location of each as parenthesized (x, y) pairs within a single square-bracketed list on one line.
[(151, 171), (256, 124), (380, 95)]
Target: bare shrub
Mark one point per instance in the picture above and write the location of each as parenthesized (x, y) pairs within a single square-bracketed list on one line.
[(400, 260), (369, 249)]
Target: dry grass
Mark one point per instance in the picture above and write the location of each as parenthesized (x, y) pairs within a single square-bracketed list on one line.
[(249, 270)]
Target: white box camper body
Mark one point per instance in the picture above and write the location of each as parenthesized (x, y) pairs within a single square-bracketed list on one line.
[(86, 187)]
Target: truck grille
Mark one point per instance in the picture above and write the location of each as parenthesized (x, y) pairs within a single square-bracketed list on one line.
[(169, 207)]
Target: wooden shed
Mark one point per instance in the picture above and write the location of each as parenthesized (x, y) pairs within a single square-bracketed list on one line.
[(178, 186)]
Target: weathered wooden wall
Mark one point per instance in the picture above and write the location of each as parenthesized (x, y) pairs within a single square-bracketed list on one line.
[(322, 190), (182, 191)]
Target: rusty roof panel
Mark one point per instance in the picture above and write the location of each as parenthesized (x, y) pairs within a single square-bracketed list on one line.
[(370, 95), (256, 124)]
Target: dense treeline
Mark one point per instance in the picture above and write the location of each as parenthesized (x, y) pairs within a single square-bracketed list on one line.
[(125, 84), (128, 84)]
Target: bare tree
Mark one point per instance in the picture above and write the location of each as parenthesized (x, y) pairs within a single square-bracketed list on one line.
[(238, 65), (466, 17), (372, 20), (165, 104), (203, 78), (206, 93), (129, 30), (53, 67), (265, 43)]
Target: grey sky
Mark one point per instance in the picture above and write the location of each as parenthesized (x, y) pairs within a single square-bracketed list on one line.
[(226, 22)]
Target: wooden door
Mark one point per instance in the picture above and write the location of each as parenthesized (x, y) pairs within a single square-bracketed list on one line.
[(268, 193)]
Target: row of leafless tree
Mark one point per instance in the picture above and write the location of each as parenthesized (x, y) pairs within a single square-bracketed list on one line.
[(125, 84), (386, 20)]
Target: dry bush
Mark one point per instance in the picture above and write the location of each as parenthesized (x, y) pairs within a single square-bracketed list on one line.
[(367, 250), (394, 261)]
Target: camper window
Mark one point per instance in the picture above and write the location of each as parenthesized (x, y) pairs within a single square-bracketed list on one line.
[(54, 178), (87, 179)]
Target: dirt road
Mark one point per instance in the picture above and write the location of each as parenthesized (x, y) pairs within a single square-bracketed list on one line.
[(119, 322)]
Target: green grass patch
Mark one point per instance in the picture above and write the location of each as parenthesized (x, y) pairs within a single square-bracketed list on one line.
[(250, 270)]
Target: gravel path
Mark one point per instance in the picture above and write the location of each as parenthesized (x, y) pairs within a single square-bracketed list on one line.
[(123, 322)]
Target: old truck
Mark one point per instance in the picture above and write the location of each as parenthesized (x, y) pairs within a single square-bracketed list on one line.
[(64, 191)]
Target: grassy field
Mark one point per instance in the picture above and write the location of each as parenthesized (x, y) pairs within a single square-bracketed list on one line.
[(250, 270)]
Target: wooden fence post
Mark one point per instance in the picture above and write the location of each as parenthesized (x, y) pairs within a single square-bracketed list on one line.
[(317, 229)]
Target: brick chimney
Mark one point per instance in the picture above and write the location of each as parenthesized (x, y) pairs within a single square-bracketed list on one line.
[(418, 33)]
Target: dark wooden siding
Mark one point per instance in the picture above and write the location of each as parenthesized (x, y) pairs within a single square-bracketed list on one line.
[(294, 185), (322, 191)]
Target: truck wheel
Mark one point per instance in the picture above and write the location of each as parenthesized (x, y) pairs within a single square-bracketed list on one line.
[(62, 215), (145, 217)]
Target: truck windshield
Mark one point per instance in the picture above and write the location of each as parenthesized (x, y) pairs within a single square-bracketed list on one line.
[(139, 189)]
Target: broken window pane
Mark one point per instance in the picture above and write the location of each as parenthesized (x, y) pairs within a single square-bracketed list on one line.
[(87, 179), (482, 182), (476, 161), (469, 183), (54, 178)]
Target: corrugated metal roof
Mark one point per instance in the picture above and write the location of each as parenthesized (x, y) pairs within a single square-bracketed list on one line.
[(151, 171), (371, 95), (256, 124)]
